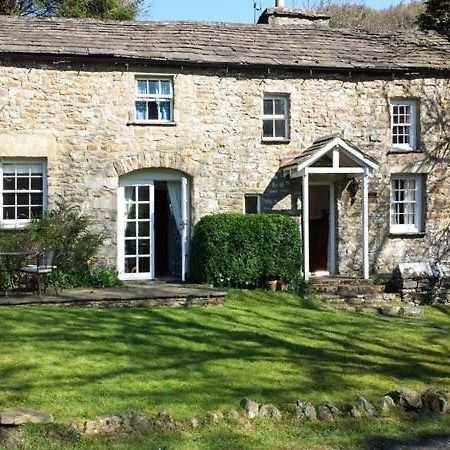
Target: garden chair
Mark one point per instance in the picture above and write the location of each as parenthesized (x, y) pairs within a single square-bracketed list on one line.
[(44, 264)]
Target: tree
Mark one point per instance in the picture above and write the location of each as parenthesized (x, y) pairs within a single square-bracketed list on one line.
[(96, 9), (436, 16)]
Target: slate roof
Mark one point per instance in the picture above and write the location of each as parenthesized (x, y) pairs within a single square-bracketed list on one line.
[(295, 47), (317, 146)]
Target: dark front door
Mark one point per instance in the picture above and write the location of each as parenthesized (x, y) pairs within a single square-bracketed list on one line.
[(318, 244)]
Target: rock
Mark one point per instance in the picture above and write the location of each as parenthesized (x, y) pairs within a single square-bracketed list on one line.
[(307, 410), (352, 410), (233, 416), (20, 416), (251, 408), (414, 270), (407, 398), (164, 421), (392, 311), (365, 406), (194, 423), (270, 412), (435, 402), (213, 418), (324, 413), (386, 404), (140, 423)]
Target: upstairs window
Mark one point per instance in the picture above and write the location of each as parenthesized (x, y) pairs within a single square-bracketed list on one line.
[(276, 118), (404, 125), (23, 192), (406, 204), (252, 204), (154, 100)]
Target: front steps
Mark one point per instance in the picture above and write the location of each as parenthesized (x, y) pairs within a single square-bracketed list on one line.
[(358, 295)]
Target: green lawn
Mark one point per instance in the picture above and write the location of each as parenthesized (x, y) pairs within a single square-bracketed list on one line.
[(270, 347)]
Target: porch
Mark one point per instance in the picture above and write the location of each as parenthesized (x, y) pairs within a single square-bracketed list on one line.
[(328, 162), (132, 295)]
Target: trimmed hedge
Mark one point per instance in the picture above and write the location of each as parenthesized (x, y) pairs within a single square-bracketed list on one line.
[(245, 250)]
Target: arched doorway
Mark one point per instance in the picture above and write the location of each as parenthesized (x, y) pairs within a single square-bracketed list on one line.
[(153, 225)]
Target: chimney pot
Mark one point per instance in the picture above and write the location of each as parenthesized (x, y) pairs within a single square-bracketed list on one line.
[(279, 3)]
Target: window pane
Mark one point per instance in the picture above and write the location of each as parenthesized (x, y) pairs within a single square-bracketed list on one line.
[(165, 87), (144, 211), (251, 204), (144, 193), (9, 199), (144, 246), (141, 108), (153, 87), (280, 128), (130, 265), (142, 87), (130, 247), (279, 106), (164, 110), (36, 212), (152, 111), (36, 199), (130, 230), (131, 211), (268, 128), (144, 265), (23, 199), (144, 229), (23, 213), (9, 183), (268, 107), (9, 213), (23, 184), (130, 193), (37, 183)]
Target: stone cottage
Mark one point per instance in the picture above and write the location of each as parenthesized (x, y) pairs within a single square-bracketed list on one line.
[(149, 126)]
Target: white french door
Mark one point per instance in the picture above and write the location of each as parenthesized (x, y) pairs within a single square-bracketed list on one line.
[(138, 231), (136, 225)]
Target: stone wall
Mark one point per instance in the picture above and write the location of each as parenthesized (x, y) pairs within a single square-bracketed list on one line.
[(78, 116)]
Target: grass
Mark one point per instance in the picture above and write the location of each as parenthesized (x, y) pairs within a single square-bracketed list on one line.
[(270, 347)]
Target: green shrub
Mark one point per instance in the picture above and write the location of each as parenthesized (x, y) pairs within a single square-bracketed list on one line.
[(245, 250), (69, 232), (102, 277)]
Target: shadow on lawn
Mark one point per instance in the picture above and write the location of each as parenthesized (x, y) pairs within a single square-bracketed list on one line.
[(211, 357)]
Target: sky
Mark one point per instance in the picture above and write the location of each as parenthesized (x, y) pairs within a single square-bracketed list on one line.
[(220, 10)]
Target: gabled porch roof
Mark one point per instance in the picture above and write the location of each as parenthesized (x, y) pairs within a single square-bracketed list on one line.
[(330, 154)]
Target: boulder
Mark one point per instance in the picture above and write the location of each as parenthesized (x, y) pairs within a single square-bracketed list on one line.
[(365, 406), (352, 411), (408, 399), (140, 423), (324, 412), (233, 416), (250, 407), (21, 416), (164, 421), (270, 412), (435, 402), (414, 271), (306, 411), (386, 404)]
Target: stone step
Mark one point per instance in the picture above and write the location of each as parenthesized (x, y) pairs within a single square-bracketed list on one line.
[(347, 290)]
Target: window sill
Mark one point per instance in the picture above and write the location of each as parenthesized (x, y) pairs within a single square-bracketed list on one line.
[(275, 141), (397, 150), (151, 124), (15, 225), (407, 234)]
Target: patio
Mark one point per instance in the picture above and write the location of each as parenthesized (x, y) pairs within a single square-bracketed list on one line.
[(132, 295)]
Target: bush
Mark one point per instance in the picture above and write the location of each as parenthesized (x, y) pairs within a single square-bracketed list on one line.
[(102, 278), (245, 250), (66, 230)]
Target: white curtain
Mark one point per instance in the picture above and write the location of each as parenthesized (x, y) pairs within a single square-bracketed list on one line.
[(174, 188)]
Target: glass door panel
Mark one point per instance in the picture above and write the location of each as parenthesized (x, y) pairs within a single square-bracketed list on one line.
[(138, 235)]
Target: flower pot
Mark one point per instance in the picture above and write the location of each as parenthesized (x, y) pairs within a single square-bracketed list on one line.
[(271, 285)]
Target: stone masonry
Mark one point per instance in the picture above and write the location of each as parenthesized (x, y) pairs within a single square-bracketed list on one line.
[(78, 116)]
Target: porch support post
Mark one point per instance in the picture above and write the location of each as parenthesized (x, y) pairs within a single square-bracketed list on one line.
[(365, 223), (305, 211)]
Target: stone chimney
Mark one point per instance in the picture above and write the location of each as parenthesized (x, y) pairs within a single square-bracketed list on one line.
[(290, 16)]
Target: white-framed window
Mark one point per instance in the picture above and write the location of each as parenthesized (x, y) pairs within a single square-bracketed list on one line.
[(404, 122), (276, 118), (23, 186), (252, 204), (406, 204), (154, 100)]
